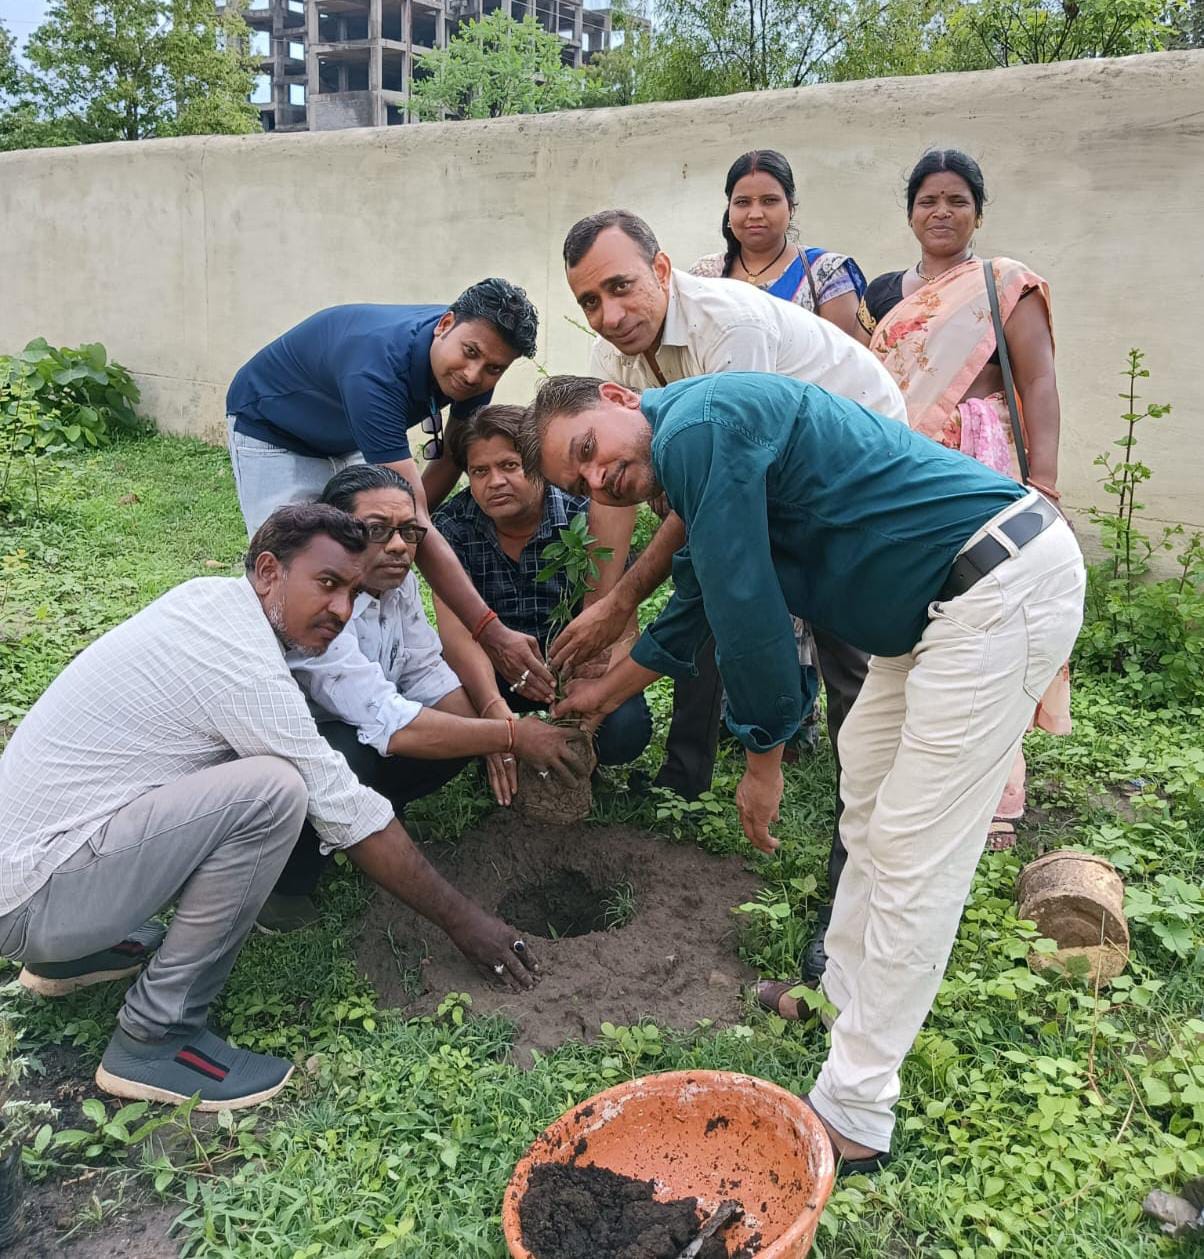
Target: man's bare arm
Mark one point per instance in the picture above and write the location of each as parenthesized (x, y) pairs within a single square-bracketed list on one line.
[(390, 859)]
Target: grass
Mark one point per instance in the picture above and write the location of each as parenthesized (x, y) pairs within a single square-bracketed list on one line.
[(1035, 1113)]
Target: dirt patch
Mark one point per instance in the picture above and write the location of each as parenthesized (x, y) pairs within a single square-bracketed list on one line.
[(91, 1214), (137, 1229), (565, 903), (592, 1213), (675, 962)]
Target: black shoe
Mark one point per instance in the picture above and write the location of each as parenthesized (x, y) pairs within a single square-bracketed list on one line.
[(815, 957)]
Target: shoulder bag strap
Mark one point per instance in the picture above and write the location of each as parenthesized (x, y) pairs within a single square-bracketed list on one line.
[(802, 253), (1005, 363)]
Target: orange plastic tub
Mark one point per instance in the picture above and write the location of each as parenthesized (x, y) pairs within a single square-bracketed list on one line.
[(711, 1135)]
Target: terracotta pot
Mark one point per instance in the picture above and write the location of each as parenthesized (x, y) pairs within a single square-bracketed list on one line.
[(711, 1135), (1078, 901)]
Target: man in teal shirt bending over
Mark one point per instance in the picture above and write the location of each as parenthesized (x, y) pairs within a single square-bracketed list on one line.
[(966, 589)]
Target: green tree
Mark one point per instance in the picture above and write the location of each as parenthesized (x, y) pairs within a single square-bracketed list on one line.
[(1024, 32), (132, 70), (497, 66), (750, 45), (905, 37)]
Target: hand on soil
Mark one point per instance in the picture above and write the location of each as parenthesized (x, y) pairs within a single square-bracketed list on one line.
[(489, 942), (502, 769), (757, 798), (587, 700), (557, 748)]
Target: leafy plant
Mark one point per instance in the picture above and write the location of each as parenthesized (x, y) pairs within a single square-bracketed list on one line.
[(575, 558), (56, 400), (1151, 632)]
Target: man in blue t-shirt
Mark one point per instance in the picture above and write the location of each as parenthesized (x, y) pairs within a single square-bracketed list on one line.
[(965, 588), (346, 385)]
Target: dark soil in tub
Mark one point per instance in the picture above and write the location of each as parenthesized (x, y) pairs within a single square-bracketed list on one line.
[(571, 1212), (674, 962)]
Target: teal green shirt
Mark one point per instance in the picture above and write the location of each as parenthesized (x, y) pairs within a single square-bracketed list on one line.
[(797, 501)]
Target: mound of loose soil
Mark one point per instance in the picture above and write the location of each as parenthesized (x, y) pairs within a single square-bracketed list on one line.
[(573, 1212), (674, 963)]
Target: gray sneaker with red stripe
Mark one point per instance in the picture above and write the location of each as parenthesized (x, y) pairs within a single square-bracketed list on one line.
[(126, 957), (172, 1070)]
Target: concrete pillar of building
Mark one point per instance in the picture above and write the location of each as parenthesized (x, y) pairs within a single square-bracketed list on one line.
[(376, 63), (312, 86)]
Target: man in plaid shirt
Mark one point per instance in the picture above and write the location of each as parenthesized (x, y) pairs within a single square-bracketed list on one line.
[(498, 529)]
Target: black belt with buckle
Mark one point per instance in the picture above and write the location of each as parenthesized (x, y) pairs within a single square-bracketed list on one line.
[(987, 553)]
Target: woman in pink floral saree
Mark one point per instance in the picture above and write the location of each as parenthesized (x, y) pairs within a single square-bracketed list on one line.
[(931, 325)]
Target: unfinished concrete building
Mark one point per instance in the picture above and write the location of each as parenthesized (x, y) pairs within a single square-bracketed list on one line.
[(278, 41), (326, 64)]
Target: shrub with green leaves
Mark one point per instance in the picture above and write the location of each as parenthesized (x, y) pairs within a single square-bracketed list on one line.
[(1148, 632), (64, 399)]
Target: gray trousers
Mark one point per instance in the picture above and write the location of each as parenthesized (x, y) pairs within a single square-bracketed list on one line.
[(214, 841)]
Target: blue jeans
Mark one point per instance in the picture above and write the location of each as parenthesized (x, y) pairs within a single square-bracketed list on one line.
[(267, 476), (620, 738)]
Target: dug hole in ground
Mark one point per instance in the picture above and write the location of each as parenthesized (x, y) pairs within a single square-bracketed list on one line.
[(627, 927)]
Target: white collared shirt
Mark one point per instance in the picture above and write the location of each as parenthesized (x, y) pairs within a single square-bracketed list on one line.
[(195, 679), (721, 325), (382, 670)]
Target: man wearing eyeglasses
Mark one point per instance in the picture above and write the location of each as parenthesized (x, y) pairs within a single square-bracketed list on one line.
[(346, 385), (384, 697)]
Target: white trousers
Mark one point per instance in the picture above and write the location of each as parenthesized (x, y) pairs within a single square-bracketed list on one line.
[(925, 753)]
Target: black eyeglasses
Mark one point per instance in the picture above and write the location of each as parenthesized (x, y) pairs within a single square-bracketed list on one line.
[(433, 424), (380, 533)]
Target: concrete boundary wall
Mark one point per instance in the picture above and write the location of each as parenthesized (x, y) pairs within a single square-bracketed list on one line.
[(184, 256)]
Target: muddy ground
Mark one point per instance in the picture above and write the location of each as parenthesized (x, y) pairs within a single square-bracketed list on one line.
[(674, 963), (87, 1214)]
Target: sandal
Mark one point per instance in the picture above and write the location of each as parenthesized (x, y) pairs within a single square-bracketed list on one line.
[(1001, 836), (865, 1166), (771, 991)]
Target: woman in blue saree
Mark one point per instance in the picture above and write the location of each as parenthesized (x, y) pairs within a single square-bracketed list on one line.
[(758, 228)]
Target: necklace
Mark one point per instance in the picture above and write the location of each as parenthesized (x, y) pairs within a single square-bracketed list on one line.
[(752, 275), (928, 279)]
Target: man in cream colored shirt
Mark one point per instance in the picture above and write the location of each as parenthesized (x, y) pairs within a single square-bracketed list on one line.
[(656, 325)]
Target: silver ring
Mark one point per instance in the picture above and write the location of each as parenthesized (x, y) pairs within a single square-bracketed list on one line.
[(519, 946), (543, 773), (521, 682), (508, 760), (499, 969)]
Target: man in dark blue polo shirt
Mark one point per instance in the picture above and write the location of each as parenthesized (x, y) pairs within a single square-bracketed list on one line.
[(965, 588), (347, 384)]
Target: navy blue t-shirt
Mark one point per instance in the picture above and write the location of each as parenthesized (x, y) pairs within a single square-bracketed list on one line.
[(348, 378)]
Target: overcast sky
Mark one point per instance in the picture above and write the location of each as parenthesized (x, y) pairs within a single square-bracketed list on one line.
[(21, 16)]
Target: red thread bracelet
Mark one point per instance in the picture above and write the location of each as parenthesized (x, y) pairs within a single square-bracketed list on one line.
[(490, 615)]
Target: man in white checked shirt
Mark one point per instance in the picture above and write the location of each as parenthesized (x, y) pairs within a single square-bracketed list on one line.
[(175, 759)]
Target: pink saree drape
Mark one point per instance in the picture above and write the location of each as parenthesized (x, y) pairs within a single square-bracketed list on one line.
[(935, 343)]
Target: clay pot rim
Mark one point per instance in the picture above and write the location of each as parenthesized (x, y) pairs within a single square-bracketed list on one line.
[(555, 1134), (1065, 854)]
